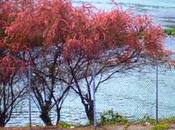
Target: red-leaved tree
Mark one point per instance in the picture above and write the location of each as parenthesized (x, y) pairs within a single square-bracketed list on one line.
[(12, 69), (110, 42), (29, 43), (12, 88)]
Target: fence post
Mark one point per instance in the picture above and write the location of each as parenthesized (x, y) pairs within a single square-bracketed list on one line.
[(29, 88), (157, 92), (94, 98)]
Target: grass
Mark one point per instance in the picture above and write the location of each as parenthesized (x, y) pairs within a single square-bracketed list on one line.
[(65, 125), (110, 117), (160, 126), (146, 120), (170, 120)]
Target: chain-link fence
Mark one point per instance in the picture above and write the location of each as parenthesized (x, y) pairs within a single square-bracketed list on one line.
[(132, 95)]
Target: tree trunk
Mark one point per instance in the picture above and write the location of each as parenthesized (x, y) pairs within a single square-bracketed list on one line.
[(2, 120), (58, 116), (89, 111), (46, 117)]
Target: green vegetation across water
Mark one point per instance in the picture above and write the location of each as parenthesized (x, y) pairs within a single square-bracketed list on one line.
[(170, 31)]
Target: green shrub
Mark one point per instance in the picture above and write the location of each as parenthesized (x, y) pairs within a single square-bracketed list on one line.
[(126, 126), (170, 31), (65, 125), (168, 120), (109, 117), (146, 119), (160, 127)]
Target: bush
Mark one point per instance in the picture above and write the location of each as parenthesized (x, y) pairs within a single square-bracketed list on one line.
[(168, 120), (65, 125), (160, 127), (109, 117), (170, 31), (146, 119)]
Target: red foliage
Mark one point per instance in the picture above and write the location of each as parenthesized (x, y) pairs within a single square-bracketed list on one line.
[(45, 24), (9, 67), (71, 37), (84, 31)]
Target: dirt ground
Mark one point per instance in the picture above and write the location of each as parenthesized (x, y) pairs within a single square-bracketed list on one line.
[(112, 127)]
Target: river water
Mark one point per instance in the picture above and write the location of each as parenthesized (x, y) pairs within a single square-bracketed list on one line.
[(131, 94), (162, 11)]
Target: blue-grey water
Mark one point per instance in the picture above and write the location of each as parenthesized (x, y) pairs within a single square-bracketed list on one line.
[(162, 11), (132, 94)]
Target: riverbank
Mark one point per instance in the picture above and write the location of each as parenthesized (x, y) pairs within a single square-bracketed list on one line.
[(146, 126), (117, 122), (108, 127)]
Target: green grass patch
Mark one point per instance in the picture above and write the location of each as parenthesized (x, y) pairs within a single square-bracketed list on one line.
[(169, 120), (65, 125), (146, 120), (110, 117), (160, 126)]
